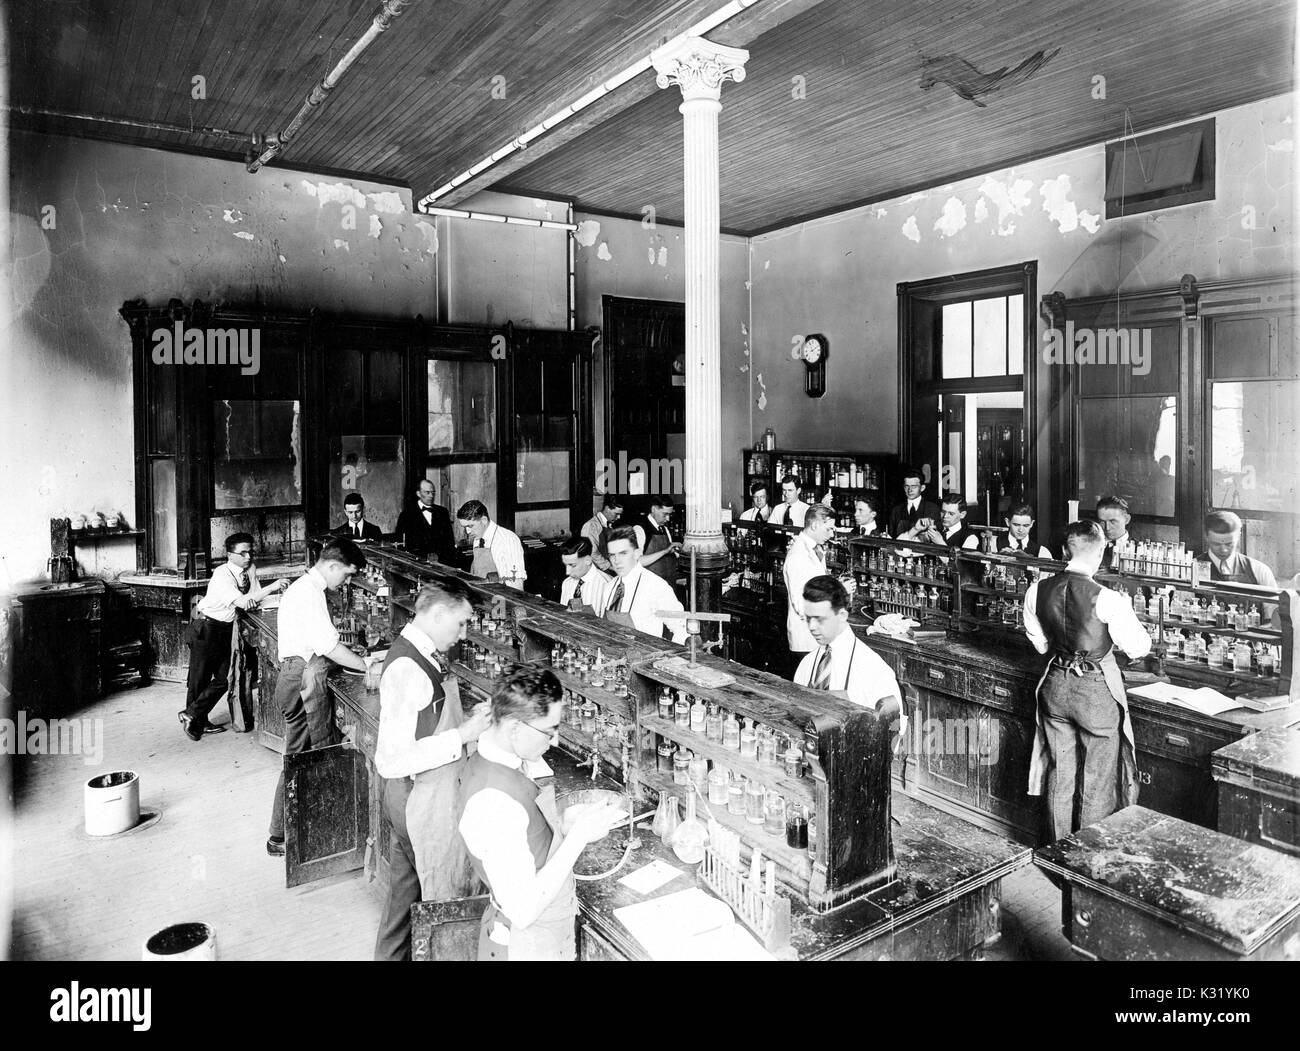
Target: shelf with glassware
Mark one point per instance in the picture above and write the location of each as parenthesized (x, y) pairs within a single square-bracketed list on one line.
[(904, 577), (804, 780), (846, 475), (591, 659), (756, 552)]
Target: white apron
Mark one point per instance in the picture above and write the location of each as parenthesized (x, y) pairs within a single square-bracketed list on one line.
[(440, 856), (1041, 761), (484, 565)]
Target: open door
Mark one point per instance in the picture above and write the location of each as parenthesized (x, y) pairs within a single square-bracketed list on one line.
[(326, 813), (447, 930)]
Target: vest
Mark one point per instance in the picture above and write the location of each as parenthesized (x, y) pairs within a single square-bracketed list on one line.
[(426, 723), (1242, 571), (1067, 609), (960, 537), (656, 540), (480, 774)]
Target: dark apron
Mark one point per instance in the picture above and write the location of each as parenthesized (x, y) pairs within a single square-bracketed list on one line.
[(666, 567)]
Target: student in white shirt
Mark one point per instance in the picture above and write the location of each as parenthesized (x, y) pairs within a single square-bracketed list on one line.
[(423, 736), (497, 551), (804, 559), (1019, 523), (792, 509), (584, 588), (758, 511), (233, 587), (512, 830), (865, 509), (308, 642), (596, 529), (952, 530), (842, 663), (637, 593)]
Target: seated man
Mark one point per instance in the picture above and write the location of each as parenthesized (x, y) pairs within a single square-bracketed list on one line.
[(1222, 541), (497, 551), (758, 511), (903, 517), (952, 531), (1020, 523), (596, 529), (585, 589), (637, 595), (356, 526)]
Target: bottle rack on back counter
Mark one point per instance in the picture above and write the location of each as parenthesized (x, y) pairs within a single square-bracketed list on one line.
[(911, 579)]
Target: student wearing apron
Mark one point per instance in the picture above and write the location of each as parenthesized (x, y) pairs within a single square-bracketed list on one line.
[(419, 752), (597, 529), (658, 549), (585, 589), (1082, 706), (510, 826), (496, 552), (636, 595)]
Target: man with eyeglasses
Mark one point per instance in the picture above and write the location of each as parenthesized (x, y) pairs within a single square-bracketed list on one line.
[(511, 826), (915, 514), (233, 587)]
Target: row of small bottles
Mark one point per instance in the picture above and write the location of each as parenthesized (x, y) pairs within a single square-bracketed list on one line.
[(873, 559), (485, 624), (1216, 651), (483, 661), (582, 713), (893, 596), (1010, 579), (760, 743), (741, 796), (591, 668), (1184, 606), (1154, 559), (839, 474), (999, 610)]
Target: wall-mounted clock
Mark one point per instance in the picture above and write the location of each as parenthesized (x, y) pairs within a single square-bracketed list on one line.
[(813, 353)]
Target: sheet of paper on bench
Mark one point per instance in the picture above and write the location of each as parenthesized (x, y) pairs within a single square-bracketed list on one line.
[(1205, 700), (690, 925)]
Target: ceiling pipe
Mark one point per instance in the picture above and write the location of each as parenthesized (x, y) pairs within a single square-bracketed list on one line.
[(701, 27), (125, 122), (318, 95)]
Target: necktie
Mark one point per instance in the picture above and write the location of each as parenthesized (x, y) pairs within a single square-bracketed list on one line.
[(821, 551), (358, 530), (821, 676), (480, 542), (616, 599), (911, 508), (577, 591)]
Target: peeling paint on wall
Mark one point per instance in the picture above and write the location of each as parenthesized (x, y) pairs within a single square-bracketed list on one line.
[(586, 233), (376, 227), (603, 252), (663, 255), (337, 244), (1282, 146), (244, 235), (430, 236), (1061, 210), (390, 203), (233, 215), (1010, 197), (911, 231), (953, 218), (761, 400)]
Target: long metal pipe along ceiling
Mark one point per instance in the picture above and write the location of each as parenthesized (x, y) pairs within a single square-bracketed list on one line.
[(318, 95)]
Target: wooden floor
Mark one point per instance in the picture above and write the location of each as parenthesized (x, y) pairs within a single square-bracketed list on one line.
[(78, 897), (81, 898)]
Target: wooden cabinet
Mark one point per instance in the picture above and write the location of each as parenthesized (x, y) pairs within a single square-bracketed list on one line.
[(58, 657)]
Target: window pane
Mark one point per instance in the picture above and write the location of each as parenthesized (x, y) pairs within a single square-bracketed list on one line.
[(375, 467), (162, 522), (550, 524), (1015, 335), (1123, 445), (458, 482), (991, 337), (462, 406), (542, 476), (1240, 347), (1254, 458), (1159, 360), (956, 341), (256, 454)]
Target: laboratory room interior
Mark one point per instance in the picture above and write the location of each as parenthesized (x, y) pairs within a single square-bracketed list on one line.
[(663, 480)]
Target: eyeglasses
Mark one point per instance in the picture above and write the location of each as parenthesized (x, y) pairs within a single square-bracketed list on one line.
[(243, 554), (552, 735)]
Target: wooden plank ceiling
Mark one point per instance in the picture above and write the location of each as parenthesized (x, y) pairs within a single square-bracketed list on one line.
[(418, 107)]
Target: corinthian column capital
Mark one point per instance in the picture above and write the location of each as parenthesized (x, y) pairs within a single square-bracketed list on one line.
[(698, 66)]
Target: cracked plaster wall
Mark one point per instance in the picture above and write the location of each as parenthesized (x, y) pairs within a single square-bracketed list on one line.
[(132, 223), (838, 275)]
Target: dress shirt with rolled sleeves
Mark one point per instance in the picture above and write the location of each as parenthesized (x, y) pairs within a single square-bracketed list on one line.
[(856, 669), (494, 827), (224, 596), (802, 563), (404, 692), (643, 593), (304, 627), (1113, 610), (507, 554), (788, 514), (596, 589)]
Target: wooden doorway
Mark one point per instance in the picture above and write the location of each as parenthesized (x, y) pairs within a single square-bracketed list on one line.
[(645, 388)]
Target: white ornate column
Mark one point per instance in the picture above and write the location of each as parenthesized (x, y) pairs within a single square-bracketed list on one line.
[(699, 67)]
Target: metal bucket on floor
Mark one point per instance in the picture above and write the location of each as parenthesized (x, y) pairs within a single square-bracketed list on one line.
[(181, 941), (112, 803)]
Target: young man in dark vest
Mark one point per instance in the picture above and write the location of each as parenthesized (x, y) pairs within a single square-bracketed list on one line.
[(1227, 563), (1082, 708), (419, 752), (658, 549), (511, 827)]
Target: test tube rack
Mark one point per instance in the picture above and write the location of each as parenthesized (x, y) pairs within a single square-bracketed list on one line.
[(757, 905)]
